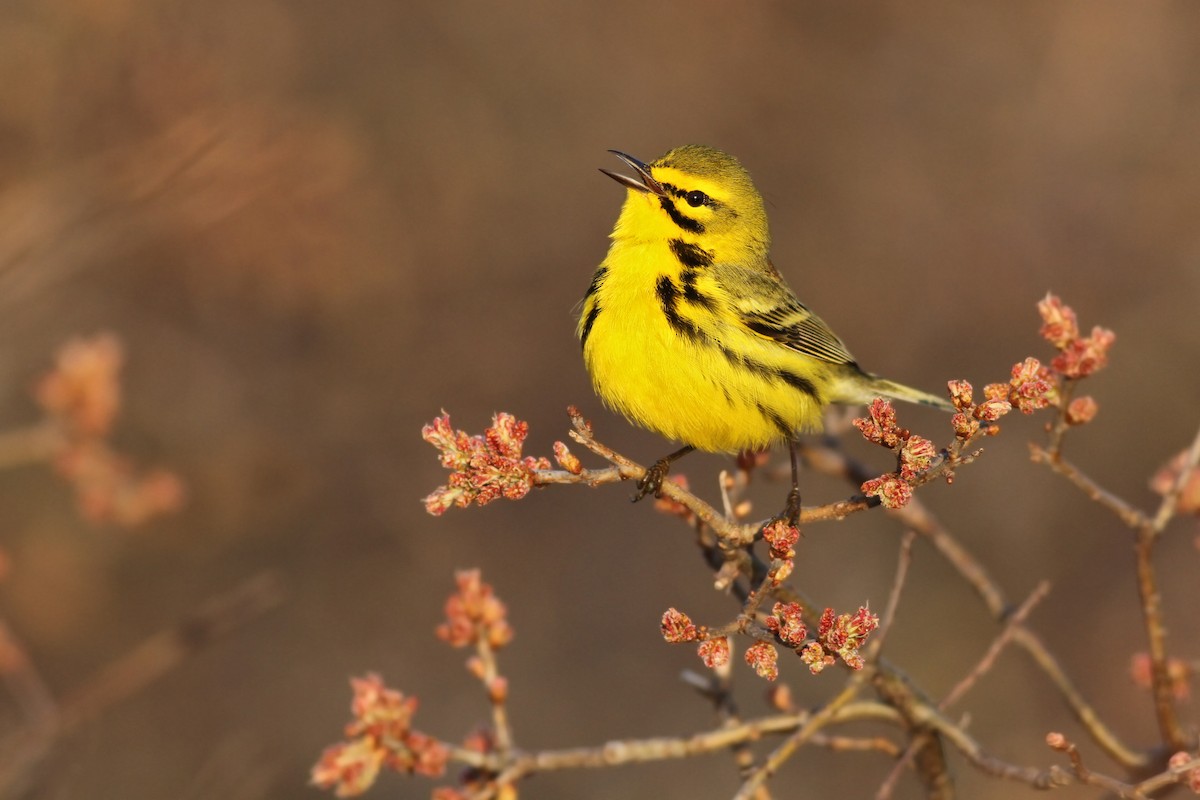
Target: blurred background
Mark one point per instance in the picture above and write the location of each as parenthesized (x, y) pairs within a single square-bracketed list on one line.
[(314, 225)]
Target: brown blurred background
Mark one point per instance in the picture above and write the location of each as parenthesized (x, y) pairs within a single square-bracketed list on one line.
[(315, 224)]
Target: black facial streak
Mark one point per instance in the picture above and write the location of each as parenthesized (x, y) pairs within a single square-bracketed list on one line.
[(687, 223), (691, 255)]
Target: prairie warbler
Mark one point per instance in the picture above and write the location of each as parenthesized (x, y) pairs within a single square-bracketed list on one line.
[(689, 330)]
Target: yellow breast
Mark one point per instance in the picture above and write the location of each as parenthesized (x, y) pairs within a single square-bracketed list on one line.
[(664, 347)]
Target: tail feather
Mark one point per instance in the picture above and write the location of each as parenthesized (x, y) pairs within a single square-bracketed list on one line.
[(898, 391)]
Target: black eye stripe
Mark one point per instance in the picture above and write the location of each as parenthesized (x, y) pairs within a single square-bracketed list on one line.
[(694, 198)]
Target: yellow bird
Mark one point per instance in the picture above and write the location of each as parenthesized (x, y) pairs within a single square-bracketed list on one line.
[(689, 330)]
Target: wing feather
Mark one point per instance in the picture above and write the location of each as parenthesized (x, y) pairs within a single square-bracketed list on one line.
[(769, 308)]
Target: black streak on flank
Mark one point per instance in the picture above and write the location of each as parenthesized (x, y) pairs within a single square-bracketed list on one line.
[(776, 420), (597, 279), (691, 255), (798, 382), (587, 325), (687, 223), (594, 287), (668, 296), (772, 373)]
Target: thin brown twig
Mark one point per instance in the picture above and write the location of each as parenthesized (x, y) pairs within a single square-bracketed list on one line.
[(1014, 621), (30, 445), (25, 683), (717, 687), (1147, 531), (1127, 513), (1169, 776), (637, 751), (1089, 778), (985, 663), (133, 672), (789, 746), (917, 516), (732, 534), (489, 675), (903, 561), (1166, 510)]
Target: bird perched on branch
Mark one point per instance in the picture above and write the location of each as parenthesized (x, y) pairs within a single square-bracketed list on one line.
[(689, 330)]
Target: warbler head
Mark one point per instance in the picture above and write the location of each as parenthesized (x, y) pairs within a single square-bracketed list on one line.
[(698, 194)]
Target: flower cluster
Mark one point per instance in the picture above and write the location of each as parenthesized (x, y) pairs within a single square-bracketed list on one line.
[(782, 537), (764, 659), (916, 453), (844, 634), (968, 416), (1179, 672), (81, 397), (1179, 762), (1078, 356), (381, 736), (1032, 386), (838, 636), (787, 623), (678, 627), (474, 614), (1164, 481), (714, 652), (485, 467)]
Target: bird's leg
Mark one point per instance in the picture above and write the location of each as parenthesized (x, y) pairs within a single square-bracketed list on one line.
[(791, 509), (651, 482)]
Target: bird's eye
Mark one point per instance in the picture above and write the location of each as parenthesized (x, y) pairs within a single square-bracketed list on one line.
[(696, 198)]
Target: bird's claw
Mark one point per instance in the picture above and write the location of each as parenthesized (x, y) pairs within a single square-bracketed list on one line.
[(791, 510), (651, 482)]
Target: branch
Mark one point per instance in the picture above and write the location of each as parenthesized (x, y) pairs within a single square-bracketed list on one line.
[(637, 751), (133, 672), (918, 518)]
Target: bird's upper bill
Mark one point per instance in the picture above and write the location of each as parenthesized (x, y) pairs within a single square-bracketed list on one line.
[(644, 182)]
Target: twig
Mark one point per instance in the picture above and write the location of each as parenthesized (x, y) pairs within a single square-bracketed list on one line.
[(1015, 621), (1166, 510), (889, 613), (916, 516), (963, 686), (133, 672), (1174, 774), (790, 745), (489, 675), (1098, 494), (24, 682), (718, 688), (732, 534), (30, 445), (637, 751), (1147, 530), (1089, 778)]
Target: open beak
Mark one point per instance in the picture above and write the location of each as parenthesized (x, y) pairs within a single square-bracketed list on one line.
[(642, 183)]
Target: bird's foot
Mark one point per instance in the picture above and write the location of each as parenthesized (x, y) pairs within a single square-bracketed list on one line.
[(651, 482), (791, 510)]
